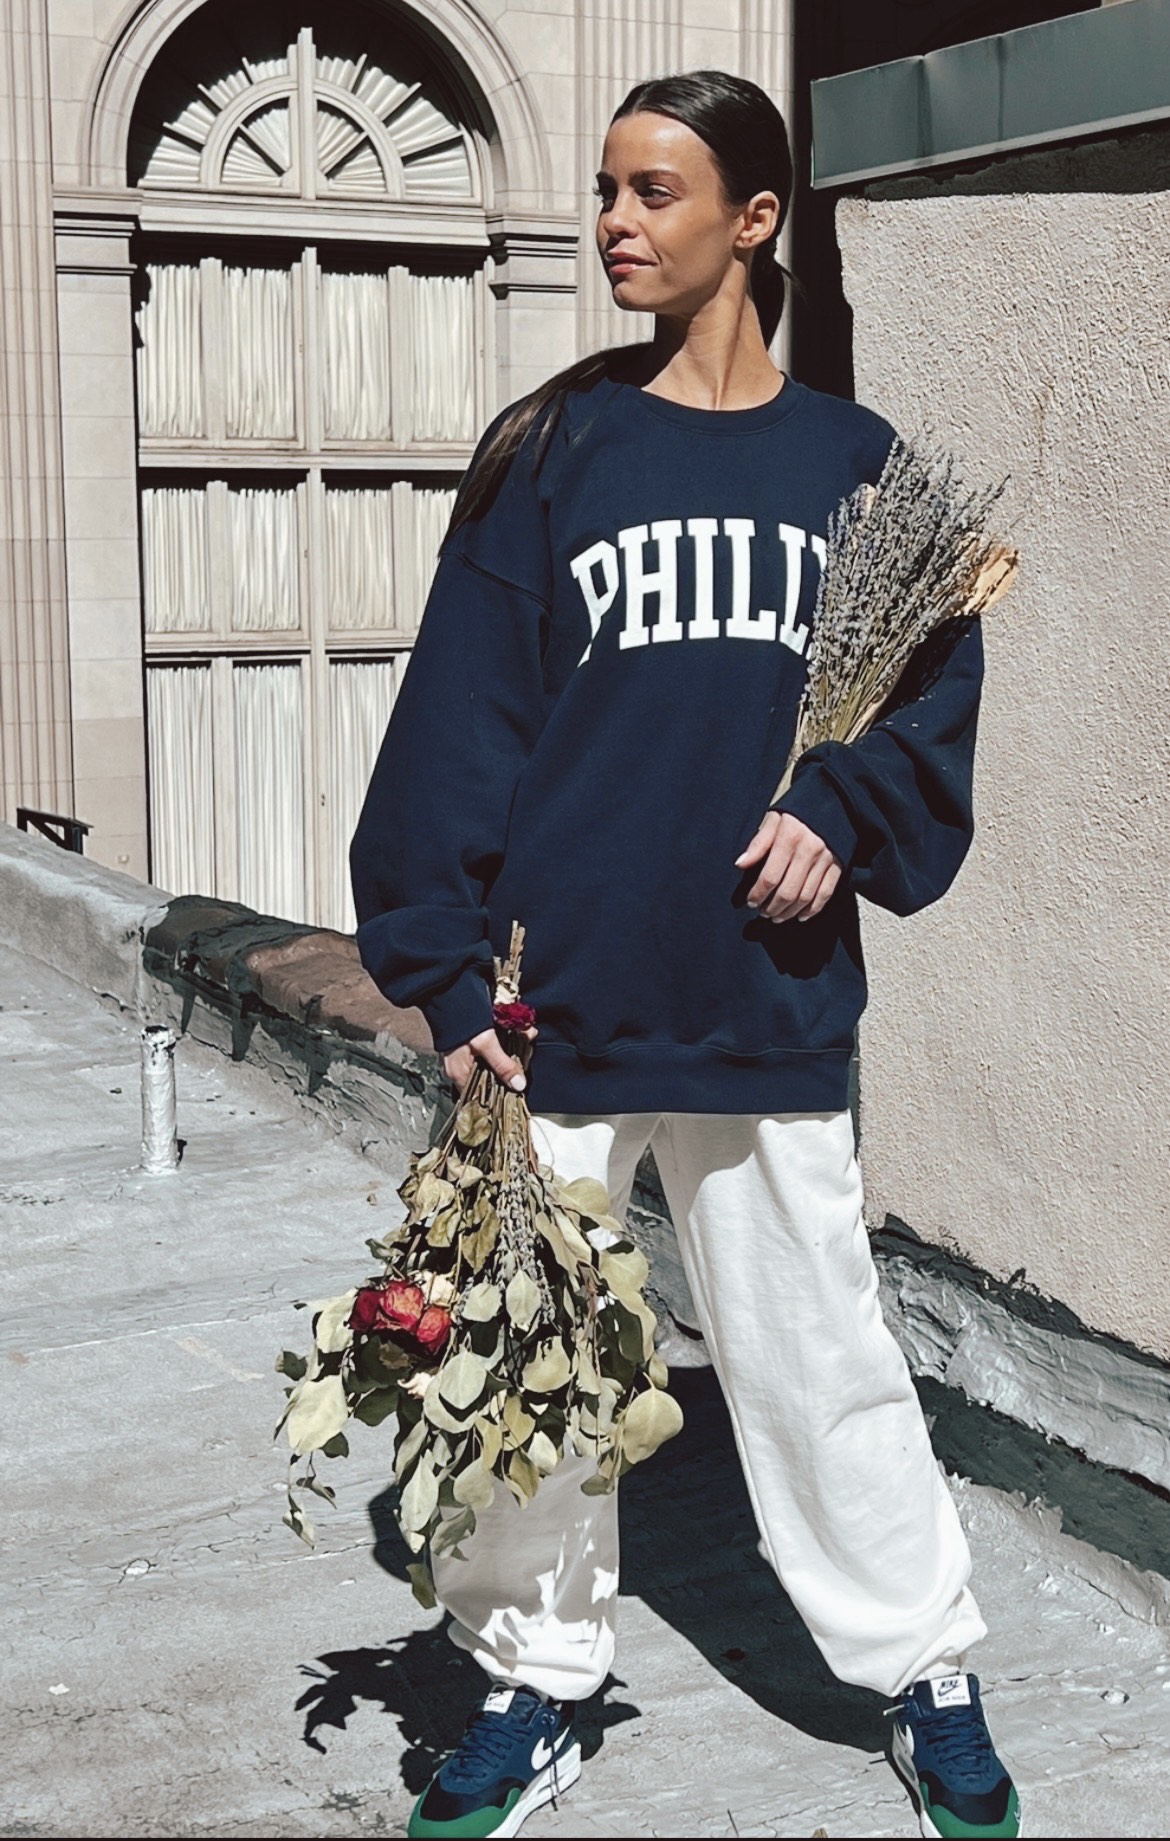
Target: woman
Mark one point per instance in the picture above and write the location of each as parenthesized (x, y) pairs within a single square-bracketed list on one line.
[(600, 701)]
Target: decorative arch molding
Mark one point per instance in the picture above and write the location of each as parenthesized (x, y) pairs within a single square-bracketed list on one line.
[(493, 92)]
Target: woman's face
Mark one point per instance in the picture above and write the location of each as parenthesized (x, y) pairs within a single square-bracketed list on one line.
[(662, 205)]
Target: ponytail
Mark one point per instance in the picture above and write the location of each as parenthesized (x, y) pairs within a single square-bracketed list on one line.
[(479, 484)]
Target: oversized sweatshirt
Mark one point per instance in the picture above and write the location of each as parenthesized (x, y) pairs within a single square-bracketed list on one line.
[(598, 708)]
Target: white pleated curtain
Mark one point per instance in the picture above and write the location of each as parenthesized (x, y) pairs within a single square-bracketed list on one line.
[(268, 709), (229, 563), (182, 782), (361, 696), (175, 574)]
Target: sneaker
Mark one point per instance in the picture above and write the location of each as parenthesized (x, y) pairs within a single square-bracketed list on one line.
[(519, 1751), (942, 1747)]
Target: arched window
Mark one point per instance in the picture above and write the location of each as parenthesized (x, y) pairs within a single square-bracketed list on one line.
[(313, 340)]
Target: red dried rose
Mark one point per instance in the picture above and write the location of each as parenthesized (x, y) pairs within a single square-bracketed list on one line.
[(514, 1016), (394, 1306), (399, 1310), (433, 1328)]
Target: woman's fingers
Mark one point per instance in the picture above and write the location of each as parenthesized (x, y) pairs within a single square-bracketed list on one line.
[(792, 881)]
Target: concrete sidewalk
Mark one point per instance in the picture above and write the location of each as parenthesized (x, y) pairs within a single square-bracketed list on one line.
[(178, 1664)]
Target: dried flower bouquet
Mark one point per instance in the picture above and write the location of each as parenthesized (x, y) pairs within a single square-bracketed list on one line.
[(901, 558), (507, 1329)]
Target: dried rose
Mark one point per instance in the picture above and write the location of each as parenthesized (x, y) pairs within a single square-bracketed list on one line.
[(398, 1311), (514, 1016), (397, 1305), (433, 1328)]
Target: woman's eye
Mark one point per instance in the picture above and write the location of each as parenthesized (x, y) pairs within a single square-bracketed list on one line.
[(648, 191)]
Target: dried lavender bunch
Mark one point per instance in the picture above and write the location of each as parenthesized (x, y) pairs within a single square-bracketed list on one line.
[(901, 557)]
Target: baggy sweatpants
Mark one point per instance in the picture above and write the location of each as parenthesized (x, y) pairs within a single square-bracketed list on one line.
[(853, 1510)]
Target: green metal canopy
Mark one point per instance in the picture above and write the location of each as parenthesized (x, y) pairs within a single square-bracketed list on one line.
[(1085, 74)]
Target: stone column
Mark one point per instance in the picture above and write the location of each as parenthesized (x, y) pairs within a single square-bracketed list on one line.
[(534, 280), (101, 522), (35, 739)]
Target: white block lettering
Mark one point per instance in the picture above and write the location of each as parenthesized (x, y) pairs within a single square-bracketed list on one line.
[(703, 623), (596, 603), (641, 581), (741, 622), (793, 539)]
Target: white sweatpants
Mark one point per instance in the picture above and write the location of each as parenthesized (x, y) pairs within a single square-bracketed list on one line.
[(854, 1513)]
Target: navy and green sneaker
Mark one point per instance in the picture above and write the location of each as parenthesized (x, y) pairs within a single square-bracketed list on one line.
[(942, 1747), (519, 1751)]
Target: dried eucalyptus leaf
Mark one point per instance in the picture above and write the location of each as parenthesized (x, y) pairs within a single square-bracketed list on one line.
[(524, 1474), (318, 1488), (331, 1331), (409, 1445), (625, 1273), (543, 1453), (421, 1584), (479, 1246), (463, 1381), (376, 1405), (520, 1424), (475, 1486), (587, 1195), (522, 1300), (574, 1239), (648, 1421), (588, 1379), (420, 1498), (491, 1436), (482, 1303), (433, 1192), (445, 1225), (317, 1410), (451, 1530), (549, 1369), (473, 1123), (296, 1519), (597, 1485), (438, 1414), (387, 1247)]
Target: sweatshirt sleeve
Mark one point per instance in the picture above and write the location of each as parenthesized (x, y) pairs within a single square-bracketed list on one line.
[(896, 804), (430, 835)]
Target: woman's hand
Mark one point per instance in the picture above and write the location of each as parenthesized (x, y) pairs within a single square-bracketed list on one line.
[(799, 870), (459, 1063)]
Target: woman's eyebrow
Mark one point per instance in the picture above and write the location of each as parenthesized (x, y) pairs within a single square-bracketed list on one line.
[(645, 172)]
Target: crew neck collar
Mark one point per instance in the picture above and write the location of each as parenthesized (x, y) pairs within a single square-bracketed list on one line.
[(720, 421)]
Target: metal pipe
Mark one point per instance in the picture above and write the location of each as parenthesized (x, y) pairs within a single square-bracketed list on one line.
[(160, 1145)]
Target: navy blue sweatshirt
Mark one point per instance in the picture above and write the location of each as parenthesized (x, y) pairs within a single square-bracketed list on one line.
[(597, 711)]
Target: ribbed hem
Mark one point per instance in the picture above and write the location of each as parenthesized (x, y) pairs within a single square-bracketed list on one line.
[(676, 1077)]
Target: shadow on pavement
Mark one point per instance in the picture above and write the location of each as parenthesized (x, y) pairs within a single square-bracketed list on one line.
[(688, 1551)]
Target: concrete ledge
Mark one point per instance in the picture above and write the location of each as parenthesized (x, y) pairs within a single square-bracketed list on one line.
[(1029, 1357), (79, 916)]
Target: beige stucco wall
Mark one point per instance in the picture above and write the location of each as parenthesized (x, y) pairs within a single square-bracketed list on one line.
[(1015, 1054)]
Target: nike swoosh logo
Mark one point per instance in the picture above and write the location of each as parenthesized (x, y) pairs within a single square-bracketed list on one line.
[(542, 1754)]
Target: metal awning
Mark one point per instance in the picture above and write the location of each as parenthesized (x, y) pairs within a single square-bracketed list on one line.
[(1085, 74)]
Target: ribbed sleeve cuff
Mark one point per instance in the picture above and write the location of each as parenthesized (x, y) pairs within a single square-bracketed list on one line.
[(814, 799), (463, 1010)]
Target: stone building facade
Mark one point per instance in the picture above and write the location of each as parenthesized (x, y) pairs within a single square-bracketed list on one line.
[(268, 270)]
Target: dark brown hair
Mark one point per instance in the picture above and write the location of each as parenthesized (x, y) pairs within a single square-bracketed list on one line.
[(749, 145)]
